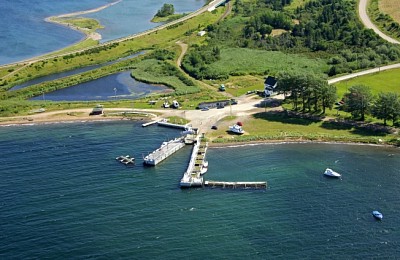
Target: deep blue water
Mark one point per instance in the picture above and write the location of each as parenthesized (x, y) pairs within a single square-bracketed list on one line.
[(63, 196), (24, 33), (115, 86)]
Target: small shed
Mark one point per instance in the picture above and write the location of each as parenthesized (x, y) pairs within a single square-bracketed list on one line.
[(201, 33), (214, 104), (270, 85)]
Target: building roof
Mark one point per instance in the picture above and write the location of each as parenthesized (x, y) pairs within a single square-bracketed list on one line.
[(271, 81)]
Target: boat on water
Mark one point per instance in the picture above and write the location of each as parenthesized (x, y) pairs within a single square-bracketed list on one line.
[(331, 173), (377, 215), (237, 129)]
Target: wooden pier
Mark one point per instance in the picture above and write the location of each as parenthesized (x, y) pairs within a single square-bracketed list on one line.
[(165, 150), (234, 185), (150, 123), (165, 123)]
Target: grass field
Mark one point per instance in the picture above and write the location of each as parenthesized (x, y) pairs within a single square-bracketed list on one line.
[(249, 61), (385, 81), (266, 126), (390, 7)]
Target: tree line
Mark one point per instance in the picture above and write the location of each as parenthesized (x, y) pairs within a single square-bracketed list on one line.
[(359, 101), (311, 93)]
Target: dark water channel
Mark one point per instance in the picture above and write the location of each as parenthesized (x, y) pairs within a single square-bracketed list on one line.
[(69, 73)]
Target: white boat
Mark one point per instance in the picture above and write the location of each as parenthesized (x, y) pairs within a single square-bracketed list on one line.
[(204, 168), (377, 215), (237, 129), (332, 173)]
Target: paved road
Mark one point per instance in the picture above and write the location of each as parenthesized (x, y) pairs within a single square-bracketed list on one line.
[(362, 10), (365, 72)]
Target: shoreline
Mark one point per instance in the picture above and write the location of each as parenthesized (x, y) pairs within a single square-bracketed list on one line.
[(88, 35), (64, 117), (280, 142)]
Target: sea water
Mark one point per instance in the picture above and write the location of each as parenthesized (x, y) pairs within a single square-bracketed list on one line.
[(64, 196)]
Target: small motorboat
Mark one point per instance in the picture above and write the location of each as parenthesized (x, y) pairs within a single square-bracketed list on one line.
[(237, 129), (377, 215), (331, 173), (204, 168)]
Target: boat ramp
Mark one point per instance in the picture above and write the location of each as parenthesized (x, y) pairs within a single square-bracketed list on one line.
[(165, 150), (166, 123)]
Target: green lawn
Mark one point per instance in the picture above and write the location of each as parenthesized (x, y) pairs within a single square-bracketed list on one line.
[(384, 81), (276, 126)]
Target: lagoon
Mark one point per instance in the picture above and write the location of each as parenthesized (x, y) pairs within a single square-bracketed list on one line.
[(27, 34)]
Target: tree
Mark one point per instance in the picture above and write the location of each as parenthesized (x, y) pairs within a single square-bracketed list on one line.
[(328, 96), (387, 107), (358, 101), (166, 10)]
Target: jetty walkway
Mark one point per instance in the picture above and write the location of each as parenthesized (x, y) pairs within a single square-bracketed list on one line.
[(198, 166), (234, 185), (193, 176)]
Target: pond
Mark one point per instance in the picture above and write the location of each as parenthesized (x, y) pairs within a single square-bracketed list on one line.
[(115, 86)]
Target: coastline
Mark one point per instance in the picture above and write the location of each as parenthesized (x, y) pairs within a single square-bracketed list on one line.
[(82, 116), (88, 35), (280, 142)]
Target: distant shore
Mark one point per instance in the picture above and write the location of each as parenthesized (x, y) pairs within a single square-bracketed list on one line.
[(92, 35)]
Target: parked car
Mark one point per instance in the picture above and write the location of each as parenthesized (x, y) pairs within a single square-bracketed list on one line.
[(214, 127), (205, 109)]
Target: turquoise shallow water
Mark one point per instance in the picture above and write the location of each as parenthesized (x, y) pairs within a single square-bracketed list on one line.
[(63, 195)]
